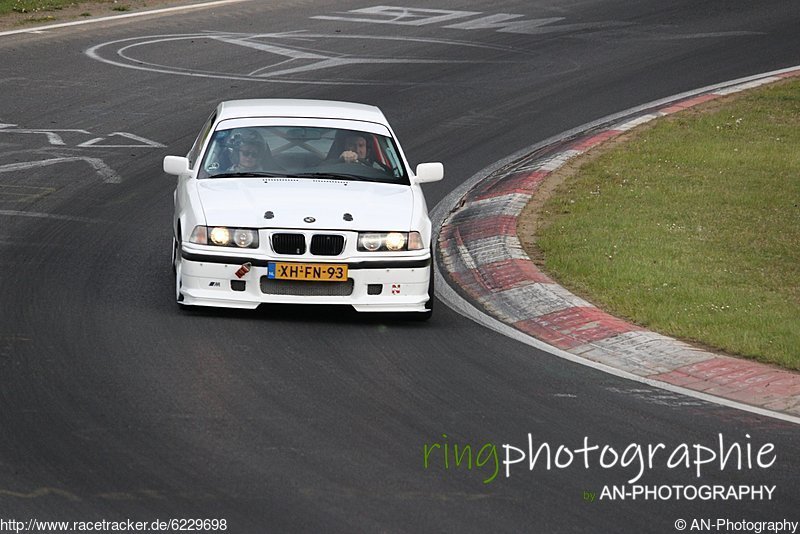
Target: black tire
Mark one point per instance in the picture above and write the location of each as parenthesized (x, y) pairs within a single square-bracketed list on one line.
[(176, 250), (174, 253)]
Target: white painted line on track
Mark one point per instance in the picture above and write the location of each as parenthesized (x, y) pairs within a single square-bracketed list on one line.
[(42, 29), (457, 303), (144, 142), (109, 175), (630, 125), (749, 85), (291, 52), (38, 215)]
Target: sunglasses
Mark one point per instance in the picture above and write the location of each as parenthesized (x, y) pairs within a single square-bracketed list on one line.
[(248, 153)]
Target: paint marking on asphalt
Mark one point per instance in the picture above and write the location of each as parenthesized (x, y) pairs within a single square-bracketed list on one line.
[(293, 53), (39, 215), (638, 121), (144, 142), (749, 85), (23, 193), (109, 175), (52, 137)]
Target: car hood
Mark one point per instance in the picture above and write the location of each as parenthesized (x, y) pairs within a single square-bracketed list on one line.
[(244, 202)]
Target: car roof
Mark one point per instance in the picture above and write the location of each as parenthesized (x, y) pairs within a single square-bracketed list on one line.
[(284, 107)]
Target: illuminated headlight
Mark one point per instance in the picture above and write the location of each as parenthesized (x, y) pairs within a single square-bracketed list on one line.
[(222, 236), (395, 241), (389, 241)]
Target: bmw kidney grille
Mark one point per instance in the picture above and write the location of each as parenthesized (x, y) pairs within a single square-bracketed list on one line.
[(295, 244)]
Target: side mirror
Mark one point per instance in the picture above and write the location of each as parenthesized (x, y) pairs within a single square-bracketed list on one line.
[(429, 172), (176, 165)]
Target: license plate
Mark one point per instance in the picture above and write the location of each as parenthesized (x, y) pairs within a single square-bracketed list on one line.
[(319, 272)]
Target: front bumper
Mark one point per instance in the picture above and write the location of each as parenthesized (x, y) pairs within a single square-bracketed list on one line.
[(379, 285)]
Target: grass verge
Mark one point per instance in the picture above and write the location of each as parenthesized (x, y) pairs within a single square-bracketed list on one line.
[(692, 226), (22, 12), (33, 6)]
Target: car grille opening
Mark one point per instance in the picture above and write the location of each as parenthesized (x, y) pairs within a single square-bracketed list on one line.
[(294, 244), (327, 245), (306, 289)]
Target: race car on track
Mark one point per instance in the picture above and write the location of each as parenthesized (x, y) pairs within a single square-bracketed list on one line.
[(304, 202)]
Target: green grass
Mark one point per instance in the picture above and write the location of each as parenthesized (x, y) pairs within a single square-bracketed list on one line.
[(692, 228), (44, 6), (32, 6)]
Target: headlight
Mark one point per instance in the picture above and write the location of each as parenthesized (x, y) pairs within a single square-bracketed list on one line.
[(389, 241), (396, 241), (222, 236), (244, 238), (370, 242)]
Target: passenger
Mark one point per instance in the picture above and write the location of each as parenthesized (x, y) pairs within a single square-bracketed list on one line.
[(250, 149)]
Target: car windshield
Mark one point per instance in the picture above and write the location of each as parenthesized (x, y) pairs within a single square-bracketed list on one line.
[(304, 152)]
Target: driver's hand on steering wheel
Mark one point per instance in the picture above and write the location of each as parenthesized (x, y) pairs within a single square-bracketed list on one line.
[(348, 156)]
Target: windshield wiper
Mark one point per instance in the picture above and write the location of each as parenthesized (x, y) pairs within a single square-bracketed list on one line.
[(329, 176), (248, 174)]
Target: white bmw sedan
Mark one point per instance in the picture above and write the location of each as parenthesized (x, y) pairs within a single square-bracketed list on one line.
[(304, 202)]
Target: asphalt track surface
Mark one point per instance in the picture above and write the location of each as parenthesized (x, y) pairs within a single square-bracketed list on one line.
[(115, 404)]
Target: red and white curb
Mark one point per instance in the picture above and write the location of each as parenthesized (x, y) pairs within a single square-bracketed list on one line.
[(482, 258)]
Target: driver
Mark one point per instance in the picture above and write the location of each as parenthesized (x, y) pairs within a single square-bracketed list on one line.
[(356, 150)]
